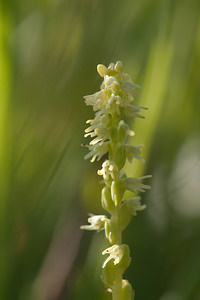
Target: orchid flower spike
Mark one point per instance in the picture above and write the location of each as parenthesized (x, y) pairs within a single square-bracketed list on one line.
[(109, 130)]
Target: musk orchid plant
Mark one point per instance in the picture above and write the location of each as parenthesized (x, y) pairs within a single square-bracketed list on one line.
[(109, 133)]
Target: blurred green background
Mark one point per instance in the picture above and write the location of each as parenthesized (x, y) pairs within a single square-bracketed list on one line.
[(49, 50)]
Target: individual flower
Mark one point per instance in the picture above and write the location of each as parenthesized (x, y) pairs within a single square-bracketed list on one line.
[(133, 152), (123, 132), (114, 104), (119, 254), (99, 128), (129, 87), (98, 100), (118, 67), (132, 184), (134, 205), (100, 120), (132, 111), (97, 223), (109, 168), (115, 253), (111, 83), (97, 151)]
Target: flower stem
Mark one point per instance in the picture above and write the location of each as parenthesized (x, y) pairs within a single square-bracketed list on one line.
[(115, 218), (117, 290)]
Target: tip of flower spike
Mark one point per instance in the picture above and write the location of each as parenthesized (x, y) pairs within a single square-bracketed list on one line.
[(102, 70)]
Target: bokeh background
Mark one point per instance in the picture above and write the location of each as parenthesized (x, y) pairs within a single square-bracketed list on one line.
[(49, 51)]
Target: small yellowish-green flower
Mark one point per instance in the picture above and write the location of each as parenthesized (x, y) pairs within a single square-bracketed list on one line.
[(132, 111), (99, 128), (132, 184), (118, 254), (134, 205), (98, 100), (133, 152), (127, 291), (100, 123), (97, 151), (109, 169), (97, 223)]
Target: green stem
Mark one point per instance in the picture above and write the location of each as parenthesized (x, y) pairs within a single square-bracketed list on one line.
[(115, 217), (117, 290)]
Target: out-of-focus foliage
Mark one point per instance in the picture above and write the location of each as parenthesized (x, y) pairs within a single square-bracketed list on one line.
[(49, 51)]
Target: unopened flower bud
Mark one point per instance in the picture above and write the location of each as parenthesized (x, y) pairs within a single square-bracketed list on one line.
[(106, 199), (122, 132), (108, 274), (119, 155), (113, 134), (102, 70), (118, 67), (111, 232), (117, 192), (127, 291), (125, 216)]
